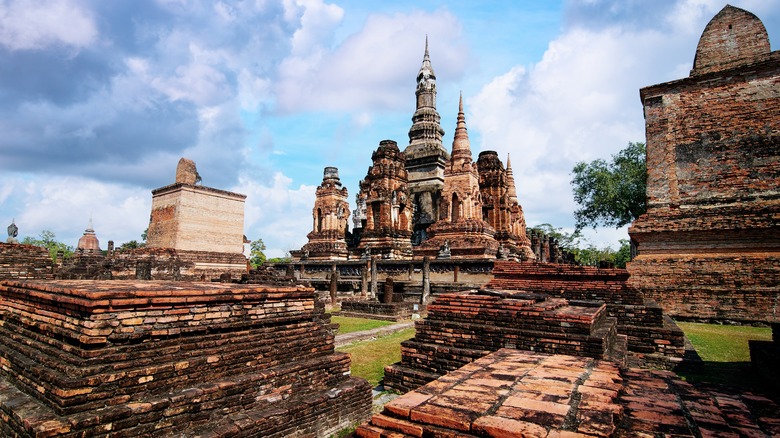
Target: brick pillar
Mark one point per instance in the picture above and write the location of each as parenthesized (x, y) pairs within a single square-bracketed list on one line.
[(110, 251), (426, 281), (411, 270), (455, 273), (387, 298)]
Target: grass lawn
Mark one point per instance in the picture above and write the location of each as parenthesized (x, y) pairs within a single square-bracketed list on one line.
[(349, 325), (724, 350), (370, 357)]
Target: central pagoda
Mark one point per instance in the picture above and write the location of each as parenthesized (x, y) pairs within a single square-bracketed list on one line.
[(426, 156)]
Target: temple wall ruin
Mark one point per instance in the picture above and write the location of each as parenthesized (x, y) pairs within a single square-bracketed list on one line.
[(709, 243)]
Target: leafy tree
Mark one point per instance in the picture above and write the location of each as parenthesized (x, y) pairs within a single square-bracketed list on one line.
[(611, 194), (133, 244), (256, 254), (47, 239)]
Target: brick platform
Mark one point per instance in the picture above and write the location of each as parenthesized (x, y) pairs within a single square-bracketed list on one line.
[(465, 326), (80, 358), (653, 339), (511, 393)]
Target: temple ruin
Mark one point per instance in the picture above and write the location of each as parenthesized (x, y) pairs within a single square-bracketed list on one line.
[(460, 229), (327, 240), (385, 192), (426, 202), (709, 245)]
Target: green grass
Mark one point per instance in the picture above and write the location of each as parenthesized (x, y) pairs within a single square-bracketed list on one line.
[(723, 343), (725, 352), (349, 325), (370, 357)]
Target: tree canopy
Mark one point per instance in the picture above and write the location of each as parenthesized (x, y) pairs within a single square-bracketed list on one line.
[(611, 194), (256, 254), (48, 240)]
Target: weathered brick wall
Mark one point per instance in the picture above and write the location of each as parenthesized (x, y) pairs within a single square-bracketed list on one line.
[(197, 218), (720, 287), (642, 321), (148, 358), (155, 264), (709, 243), (25, 262)]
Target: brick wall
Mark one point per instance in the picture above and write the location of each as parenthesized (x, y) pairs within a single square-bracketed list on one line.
[(25, 262), (197, 218)]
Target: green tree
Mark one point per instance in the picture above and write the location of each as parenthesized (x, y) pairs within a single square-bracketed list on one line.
[(611, 194), (133, 244), (47, 239), (256, 254)]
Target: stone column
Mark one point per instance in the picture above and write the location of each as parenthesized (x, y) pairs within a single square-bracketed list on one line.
[(364, 278), (411, 271), (426, 280), (373, 277), (334, 283), (110, 251)]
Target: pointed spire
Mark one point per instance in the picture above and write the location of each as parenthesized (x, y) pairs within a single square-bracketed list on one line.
[(510, 178), (461, 147)]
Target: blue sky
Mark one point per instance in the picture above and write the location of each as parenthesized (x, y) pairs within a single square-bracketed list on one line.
[(99, 99)]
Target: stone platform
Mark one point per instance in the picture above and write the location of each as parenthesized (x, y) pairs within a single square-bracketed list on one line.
[(464, 326), (654, 340), (372, 309), (511, 393), (83, 358)]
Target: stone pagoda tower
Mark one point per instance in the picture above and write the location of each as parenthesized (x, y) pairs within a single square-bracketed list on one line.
[(385, 191), (330, 215), (498, 208), (426, 156), (460, 231)]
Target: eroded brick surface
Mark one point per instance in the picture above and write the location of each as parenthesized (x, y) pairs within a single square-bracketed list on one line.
[(512, 393), (653, 339)]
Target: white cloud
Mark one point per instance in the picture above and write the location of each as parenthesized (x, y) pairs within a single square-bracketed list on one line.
[(36, 24), (64, 206), (579, 103), (279, 214), (373, 68)]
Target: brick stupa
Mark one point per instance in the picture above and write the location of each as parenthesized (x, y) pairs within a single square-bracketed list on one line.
[(385, 191), (330, 218)]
